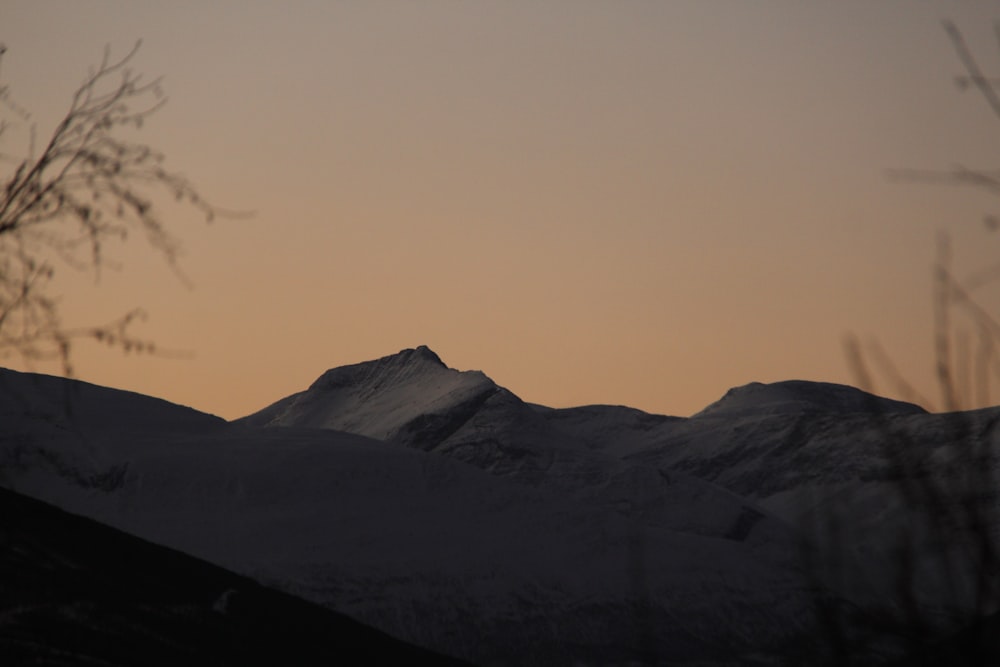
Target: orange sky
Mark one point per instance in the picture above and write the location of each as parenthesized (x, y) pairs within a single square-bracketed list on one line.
[(641, 203)]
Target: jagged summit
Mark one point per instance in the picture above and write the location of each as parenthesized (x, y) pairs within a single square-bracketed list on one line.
[(379, 398), (798, 396), (424, 352), (404, 363)]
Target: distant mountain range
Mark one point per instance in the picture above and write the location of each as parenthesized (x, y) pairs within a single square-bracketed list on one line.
[(784, 524)]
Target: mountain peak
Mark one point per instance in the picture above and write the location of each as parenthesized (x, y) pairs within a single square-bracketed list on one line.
[(407, 361), (378, 398), (798, 396), (423, 353)]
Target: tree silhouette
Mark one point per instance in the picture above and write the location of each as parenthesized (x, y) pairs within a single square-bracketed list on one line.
[(952, 501), (60, 206), (966, 332)]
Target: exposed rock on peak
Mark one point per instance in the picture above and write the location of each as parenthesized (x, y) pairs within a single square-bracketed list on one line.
[(424, 352)]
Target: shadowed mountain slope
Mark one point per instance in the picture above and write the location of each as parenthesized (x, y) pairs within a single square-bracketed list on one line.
[(441, 508), (74, 592), (413, 399), (32, 399)]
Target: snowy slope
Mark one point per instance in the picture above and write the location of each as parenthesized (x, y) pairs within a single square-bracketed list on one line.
[(441, 508), (802, 397), (56, 427), (393, 398), (436, 551), (864, 485), (411, 398), (790, 460), (74, 405)]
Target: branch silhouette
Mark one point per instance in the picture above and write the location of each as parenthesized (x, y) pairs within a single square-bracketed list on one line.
[(88, 186)]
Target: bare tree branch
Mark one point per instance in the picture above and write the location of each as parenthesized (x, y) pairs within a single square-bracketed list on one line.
[(86, 187), (975, 76)]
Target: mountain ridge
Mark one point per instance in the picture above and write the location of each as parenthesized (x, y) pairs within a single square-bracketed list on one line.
[(438, 506), (803, 396)]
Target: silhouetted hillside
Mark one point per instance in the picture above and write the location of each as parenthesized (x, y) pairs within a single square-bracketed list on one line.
[(74, 592)]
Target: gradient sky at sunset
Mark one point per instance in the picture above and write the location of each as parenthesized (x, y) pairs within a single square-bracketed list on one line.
[(639, 203)]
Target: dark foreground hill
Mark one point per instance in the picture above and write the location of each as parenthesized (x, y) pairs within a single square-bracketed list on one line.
[(74, 592)]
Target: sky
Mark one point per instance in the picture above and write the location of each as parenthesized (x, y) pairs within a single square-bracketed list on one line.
[(638, 203)]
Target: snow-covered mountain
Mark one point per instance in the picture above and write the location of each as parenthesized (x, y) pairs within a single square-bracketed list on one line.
[(439, 507), (862, 485), (413, 400)]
